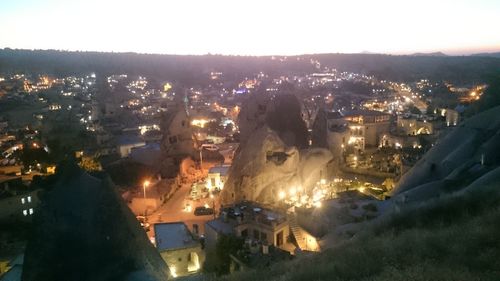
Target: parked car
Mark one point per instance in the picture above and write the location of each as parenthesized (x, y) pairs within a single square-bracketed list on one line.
[(203, 211)]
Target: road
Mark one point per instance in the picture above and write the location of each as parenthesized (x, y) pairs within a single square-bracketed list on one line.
[(421, 105), (174, 210)]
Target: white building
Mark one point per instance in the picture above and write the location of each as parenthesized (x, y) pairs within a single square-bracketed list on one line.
[(217, 177)]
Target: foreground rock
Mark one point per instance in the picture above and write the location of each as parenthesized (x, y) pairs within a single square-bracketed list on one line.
[(84, 231)]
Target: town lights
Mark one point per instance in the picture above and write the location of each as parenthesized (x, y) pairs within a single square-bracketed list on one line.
[(281, 195), (199, 122), (317, 196), (292, 191)]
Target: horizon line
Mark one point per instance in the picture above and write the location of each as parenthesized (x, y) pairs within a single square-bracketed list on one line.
[(430, 53)]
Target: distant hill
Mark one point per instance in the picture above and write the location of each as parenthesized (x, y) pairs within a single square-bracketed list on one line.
[(492, 55), (195, 70), (434, 54), (410, 68)]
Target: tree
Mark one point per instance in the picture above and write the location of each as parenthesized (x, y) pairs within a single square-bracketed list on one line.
[(219, 262), (31, 156), (90, 164), (414, 110)]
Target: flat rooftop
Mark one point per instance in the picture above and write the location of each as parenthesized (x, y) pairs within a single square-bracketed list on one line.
[(170, 236), (222, 170), (220, 226), (364, 112), (253, 212)]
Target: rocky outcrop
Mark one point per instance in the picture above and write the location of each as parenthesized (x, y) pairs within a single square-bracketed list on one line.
[(265, 166), (319, 130), (178, 141), (282, 114), (468, 153), (273, 155), (252, 115), (84, 231)]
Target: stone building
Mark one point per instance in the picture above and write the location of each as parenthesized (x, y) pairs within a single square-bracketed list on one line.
[(366, 127), (412, 126), (249, 220), (178, 248), (17, 201)]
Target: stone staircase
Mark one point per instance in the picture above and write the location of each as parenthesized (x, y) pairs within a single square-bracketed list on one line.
[(297, 232)]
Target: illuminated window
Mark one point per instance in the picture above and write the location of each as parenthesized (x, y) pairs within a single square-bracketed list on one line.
[(25, 212), (22, 200), (29, 198), (31, 211)]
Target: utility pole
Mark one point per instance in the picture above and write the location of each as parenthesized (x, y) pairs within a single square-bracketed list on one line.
[(201, 158)]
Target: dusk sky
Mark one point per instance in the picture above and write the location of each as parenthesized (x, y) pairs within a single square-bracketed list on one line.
[(257, 27)]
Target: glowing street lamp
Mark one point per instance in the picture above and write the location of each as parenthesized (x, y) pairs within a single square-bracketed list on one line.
[(144, 185)]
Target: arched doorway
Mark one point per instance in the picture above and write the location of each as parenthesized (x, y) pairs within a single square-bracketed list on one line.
[(193, 262), (423, 131)]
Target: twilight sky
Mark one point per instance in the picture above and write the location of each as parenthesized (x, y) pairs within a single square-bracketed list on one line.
[(252, 27)]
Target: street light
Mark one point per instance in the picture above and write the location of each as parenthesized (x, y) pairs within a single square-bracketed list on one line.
[(144, 185)]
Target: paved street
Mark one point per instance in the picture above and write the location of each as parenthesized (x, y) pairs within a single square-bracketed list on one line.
[(421, 105), (174, 210)]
